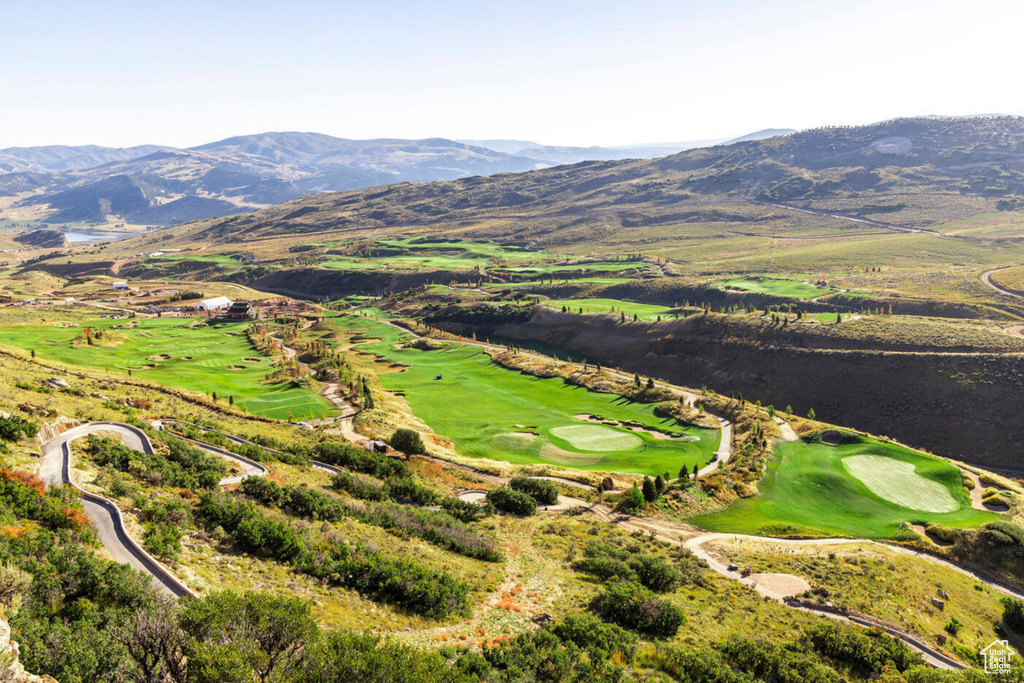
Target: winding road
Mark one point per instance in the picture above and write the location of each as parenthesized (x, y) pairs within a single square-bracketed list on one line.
[(986, 279), (55, 470)]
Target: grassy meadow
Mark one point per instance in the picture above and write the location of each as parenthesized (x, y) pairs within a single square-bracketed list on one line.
[(205, 358), (814, 489)]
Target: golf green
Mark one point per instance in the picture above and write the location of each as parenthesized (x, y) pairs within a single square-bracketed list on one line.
[(206, 358), (865, 489), (492, 412)]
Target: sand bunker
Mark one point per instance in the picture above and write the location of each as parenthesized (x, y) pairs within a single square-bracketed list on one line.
[(252, 360), (162, 356), (186, 357), (236, 367)]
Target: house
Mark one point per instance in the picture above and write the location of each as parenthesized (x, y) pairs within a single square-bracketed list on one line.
[(121, 286), (217, 303), (997, 657), (377, 447), (240, 310)]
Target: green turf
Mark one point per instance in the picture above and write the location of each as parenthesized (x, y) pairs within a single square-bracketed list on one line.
[(774, 286), (213, 349), (809, 489), (898, 482), (612, 306), (486, 410)]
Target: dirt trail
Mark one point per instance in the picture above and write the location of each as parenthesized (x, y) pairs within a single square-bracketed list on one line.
[(986, 279)]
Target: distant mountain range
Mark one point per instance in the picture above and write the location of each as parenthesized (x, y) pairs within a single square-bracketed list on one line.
[(557, 155), (885, 171), (157, 185)]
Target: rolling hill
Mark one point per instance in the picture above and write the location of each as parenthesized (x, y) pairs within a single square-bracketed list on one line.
[(900, 175)]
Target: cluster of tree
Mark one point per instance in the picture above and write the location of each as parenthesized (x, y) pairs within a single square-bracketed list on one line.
[(636, 607), (407, 585), (512, 501), (184, 466), (541, 490), (608, 561), (357, 460), (22, 496), (433, 526)]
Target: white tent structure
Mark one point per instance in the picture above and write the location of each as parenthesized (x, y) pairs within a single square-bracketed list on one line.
[(214, 304)]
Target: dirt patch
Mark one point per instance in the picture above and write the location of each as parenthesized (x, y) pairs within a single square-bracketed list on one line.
[(784, 585)]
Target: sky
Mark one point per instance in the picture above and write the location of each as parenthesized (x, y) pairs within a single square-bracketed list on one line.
[(556, 72)]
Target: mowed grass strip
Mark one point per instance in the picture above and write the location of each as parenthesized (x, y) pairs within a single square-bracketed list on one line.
[(205, 358), (774, 286), (482, 407), (612, 307), (808, 490)]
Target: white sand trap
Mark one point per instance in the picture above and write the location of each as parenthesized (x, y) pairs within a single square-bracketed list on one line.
[(597, 438), (898, 482)]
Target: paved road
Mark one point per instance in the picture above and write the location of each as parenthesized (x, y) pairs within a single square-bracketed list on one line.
[(55, 470)]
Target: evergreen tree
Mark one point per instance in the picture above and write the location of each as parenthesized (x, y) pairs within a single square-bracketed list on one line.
[(650, 492), (659, 484), (636, 380), (650, 382), (696, 471)]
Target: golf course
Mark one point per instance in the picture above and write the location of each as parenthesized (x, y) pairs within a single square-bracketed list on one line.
[(774, 287), (493, 412), (186, 354), (865, 488), (613, 307)]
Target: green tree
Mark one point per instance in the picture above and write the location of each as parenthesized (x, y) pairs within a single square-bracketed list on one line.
[(636, 380), (811, 414), (634, 499), (696, 471), (407, 441), (650, 491), (650, 382), (250, 637), (659, 484)]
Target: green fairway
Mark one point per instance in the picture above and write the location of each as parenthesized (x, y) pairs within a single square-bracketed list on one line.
[(612, 306), (205, 358), (863, 489), (774, 286), (492, 412)]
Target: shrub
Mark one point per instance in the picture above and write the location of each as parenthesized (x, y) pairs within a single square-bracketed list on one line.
[(1013, 614), (512, 501), (541, 490), (359, 487), (407, 441), (632, 606), (14, 427)]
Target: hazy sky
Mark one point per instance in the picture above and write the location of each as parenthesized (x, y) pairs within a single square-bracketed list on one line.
[(578, 73)]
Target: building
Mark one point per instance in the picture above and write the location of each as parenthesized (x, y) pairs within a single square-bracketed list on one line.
[(121, 286), (218, 303), (240, 310)]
